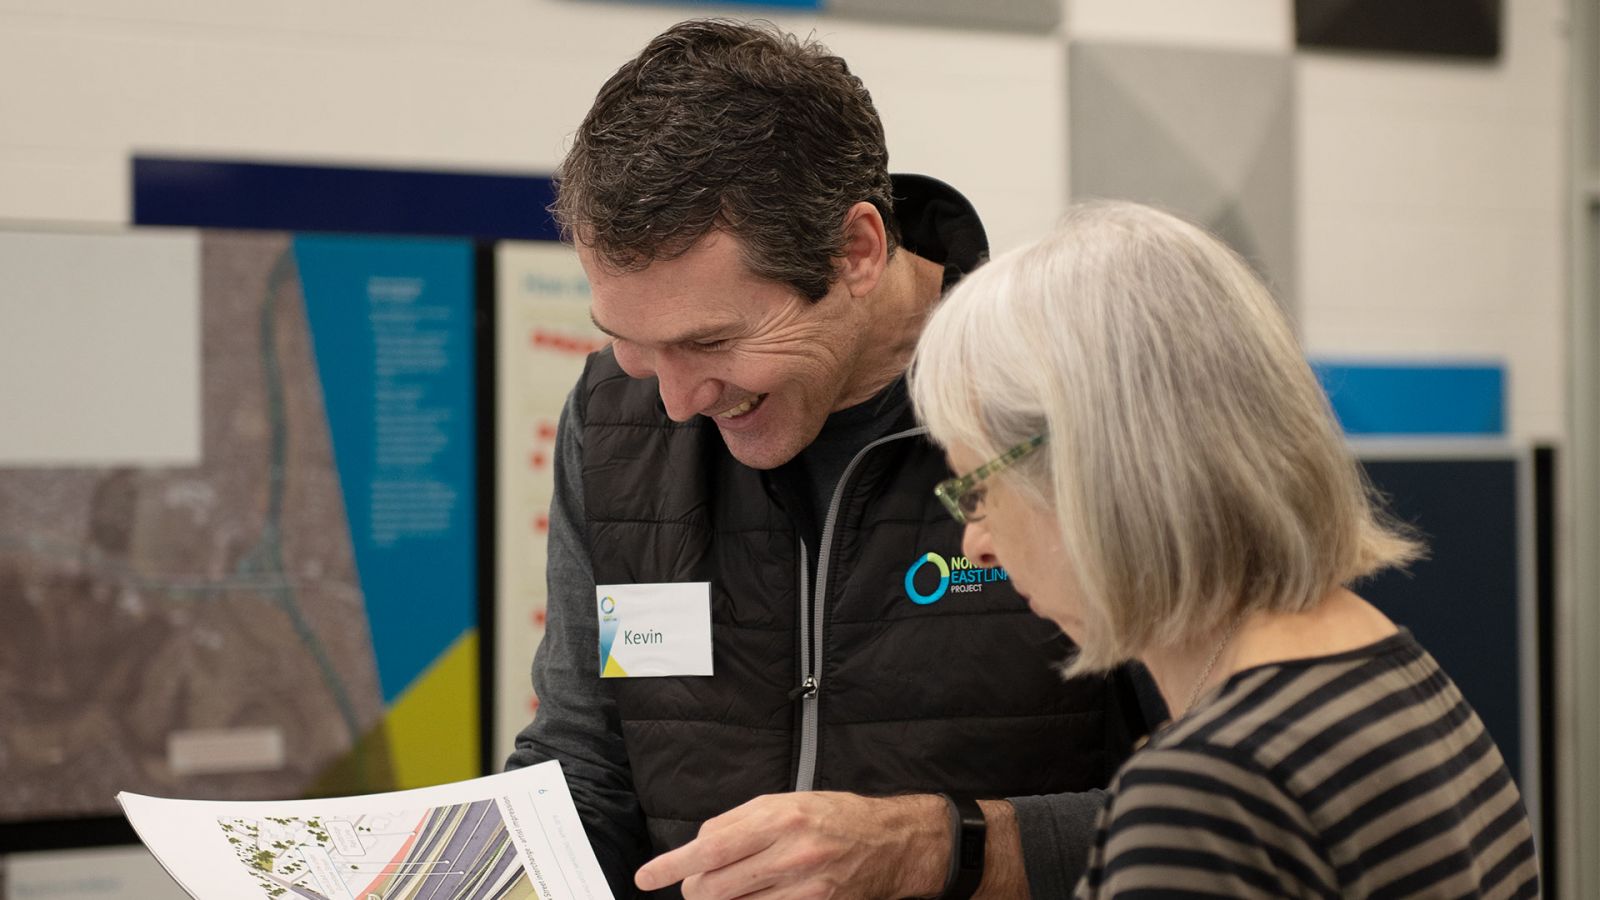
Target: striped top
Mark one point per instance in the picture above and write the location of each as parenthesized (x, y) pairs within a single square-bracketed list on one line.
[(1357, 774)]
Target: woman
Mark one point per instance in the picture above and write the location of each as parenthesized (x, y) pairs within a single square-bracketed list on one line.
[(1154, 464)]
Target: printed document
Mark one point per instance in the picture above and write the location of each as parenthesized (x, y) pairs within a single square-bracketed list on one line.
[(511, 836)]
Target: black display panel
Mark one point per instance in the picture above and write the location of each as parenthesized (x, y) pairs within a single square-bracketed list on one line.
[(1468, 28), (1483, 602), (1470, 603)]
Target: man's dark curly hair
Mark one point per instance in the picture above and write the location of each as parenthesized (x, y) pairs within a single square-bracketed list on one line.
[(719, 124)]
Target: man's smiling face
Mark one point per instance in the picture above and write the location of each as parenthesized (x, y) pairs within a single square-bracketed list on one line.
[(754, 355)]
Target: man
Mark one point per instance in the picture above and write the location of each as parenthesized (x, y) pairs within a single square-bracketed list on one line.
[(764, 283)]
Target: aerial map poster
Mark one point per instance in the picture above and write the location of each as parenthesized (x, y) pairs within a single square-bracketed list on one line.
[(288, 609)]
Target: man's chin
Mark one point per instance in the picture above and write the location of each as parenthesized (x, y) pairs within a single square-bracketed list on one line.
[(757, 453), (761, 448), (767, 436)]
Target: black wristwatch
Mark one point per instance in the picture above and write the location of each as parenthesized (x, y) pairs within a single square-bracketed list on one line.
[(969, 833)]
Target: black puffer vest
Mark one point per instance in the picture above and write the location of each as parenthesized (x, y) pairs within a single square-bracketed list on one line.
[(960, 694)]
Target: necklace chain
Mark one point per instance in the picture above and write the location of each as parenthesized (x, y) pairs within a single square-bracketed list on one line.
[(1227, 638)]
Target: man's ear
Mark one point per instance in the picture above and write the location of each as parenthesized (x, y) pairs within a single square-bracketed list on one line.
[(866, 249)]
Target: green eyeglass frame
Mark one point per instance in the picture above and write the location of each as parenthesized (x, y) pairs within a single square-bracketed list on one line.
[(959, 495)]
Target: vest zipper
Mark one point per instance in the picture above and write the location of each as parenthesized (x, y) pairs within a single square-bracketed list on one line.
[(811, 626), (808, 678)]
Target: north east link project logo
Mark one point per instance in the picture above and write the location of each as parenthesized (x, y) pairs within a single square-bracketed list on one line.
[(957, 575), (609, 622)]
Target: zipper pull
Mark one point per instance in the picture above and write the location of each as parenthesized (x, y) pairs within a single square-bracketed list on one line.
[(807, 689)]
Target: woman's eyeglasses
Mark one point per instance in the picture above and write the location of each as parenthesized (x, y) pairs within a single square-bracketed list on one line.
[(962, 496)]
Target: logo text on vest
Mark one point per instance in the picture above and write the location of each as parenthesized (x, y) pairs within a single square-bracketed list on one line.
[(956, 575)]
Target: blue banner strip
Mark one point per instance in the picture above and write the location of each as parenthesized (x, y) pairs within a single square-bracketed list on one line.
[(1461, 400), (391, 326), (279, 197)]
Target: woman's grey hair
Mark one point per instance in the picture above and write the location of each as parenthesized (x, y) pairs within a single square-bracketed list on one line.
[(1194, 467)]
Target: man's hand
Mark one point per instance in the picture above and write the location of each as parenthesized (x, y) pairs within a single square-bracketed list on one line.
[(813, 845)]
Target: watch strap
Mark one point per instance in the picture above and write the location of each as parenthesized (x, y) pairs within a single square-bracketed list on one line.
[(969, 832)]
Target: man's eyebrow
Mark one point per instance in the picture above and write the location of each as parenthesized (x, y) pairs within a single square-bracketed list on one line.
[(706, 334)]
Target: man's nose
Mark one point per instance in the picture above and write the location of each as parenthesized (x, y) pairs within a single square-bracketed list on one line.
[(685, 392)]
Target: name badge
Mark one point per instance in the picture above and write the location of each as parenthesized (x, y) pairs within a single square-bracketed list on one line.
[(651, 630)]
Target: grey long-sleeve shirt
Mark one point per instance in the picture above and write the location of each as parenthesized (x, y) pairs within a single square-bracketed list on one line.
[(577, 721)]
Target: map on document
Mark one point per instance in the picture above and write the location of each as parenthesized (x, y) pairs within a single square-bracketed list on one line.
[(512, 836)]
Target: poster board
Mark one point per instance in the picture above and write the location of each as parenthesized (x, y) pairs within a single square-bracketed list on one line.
[(288, 611), (543, 336)]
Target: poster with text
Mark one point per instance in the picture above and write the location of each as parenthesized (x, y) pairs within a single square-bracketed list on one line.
[(544, 335)]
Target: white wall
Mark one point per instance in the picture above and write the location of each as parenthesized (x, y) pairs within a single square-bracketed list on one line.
[(1430, 191), (1433, 208), (491, 83), (1431, 196)]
